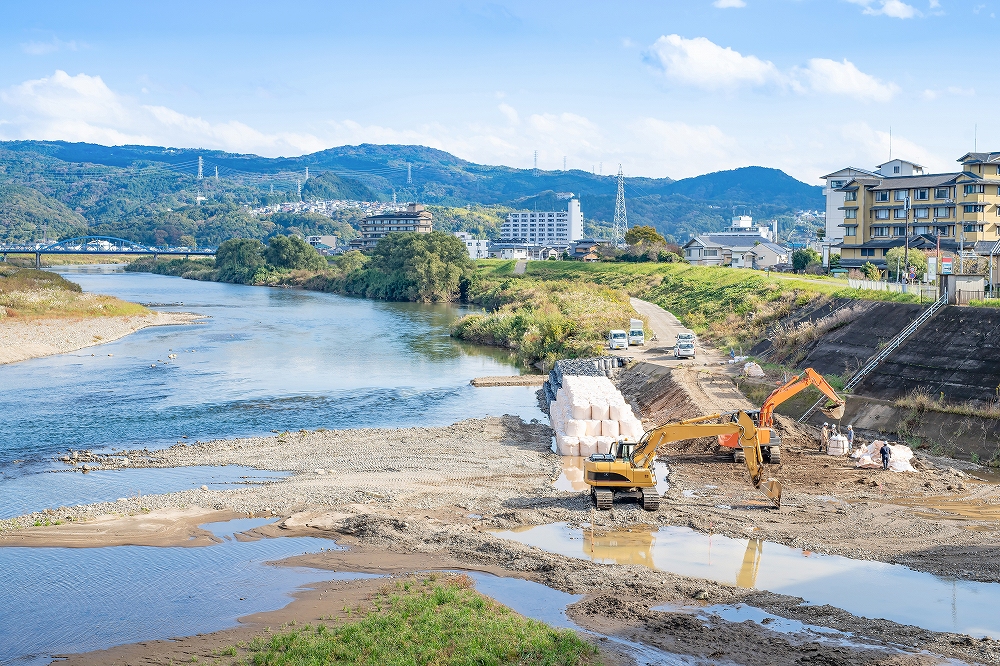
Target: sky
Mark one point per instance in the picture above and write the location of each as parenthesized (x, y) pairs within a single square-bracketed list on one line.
[(668, 88)]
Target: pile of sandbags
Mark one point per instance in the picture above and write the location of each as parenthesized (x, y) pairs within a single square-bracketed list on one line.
[(870, 456), (589, 414)]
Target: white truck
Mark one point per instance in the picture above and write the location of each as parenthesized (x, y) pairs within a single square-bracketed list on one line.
[(618, 339), (635, 332)]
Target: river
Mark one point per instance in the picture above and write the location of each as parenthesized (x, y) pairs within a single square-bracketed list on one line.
[(263, 359)]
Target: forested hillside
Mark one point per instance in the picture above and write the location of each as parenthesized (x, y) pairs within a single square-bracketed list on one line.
[(153, 194)]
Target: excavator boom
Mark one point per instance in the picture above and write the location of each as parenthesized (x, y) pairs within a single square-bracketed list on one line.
[(809, 377)]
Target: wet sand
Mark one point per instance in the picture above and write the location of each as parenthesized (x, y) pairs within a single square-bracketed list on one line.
[(34, 338)]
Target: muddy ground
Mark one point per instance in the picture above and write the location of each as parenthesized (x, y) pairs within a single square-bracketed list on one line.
[(417, 498)]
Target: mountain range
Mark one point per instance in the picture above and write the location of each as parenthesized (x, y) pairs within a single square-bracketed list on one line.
[(152, 193)]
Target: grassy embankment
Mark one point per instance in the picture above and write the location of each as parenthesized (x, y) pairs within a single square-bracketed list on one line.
[(27, 293), (429, 621), (560, 308)]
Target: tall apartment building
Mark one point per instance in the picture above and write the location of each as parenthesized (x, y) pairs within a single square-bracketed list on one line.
[(374, 227), (555, 228), (956, 211)]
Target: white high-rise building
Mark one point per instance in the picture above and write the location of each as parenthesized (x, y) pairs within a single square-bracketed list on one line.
[(555, 228)]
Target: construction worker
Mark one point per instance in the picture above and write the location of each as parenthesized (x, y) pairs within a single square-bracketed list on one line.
[(886, 452), (850, 437), (824, 437)]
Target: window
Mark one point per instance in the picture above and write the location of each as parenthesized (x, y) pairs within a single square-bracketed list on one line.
[(867, 252), (941, 192), (899, 213), (852, 213), (880, 232), (942, 211), (836, 184), (974, 208), (710, 253), (942, 231), (899, 231), (972, 227), (895, 169), (900, 195), (882, 196), (921, 213), (851, 196), (975, 189), (850, 230), (882, 214), (921, 230), (921, 195), (885, 251)]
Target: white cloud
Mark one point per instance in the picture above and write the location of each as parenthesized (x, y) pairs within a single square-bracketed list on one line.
[(51, 46), (510, 113), (684, 150), (84, 108), (894, 8), (868, 147), (953, 91), (843, 78), (704, 64), (729, 4)]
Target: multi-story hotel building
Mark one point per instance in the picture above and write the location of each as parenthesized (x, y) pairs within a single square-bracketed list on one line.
[(374, 227), (954, 211), (550, 228)]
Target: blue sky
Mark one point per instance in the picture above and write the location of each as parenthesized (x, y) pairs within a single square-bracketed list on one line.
[(664, 88)]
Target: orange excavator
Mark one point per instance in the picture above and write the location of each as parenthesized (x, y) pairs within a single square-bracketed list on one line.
[(770, 443)]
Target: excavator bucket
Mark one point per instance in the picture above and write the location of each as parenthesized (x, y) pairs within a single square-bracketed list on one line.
[(772, 489), (834, 411)]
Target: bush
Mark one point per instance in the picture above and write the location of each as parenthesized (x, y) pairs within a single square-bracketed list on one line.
[(239, 259), (294, 253), (804, 258)]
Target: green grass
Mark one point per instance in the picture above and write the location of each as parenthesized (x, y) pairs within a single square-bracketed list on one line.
[(27, 293), (440, 621)]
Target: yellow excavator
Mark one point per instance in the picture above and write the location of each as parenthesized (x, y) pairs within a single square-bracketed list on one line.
[(627, 471), (764, 419)]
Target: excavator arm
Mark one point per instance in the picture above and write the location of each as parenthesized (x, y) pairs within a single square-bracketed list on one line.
[(744, 426), (808, 378)]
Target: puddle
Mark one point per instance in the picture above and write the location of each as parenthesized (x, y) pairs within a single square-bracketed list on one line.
[(126, 594), (35, 492), (951, 508), (571, 477), (863, 588), (545, 604)]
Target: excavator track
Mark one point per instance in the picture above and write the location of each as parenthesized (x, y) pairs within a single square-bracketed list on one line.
[(650, 499), (603, 498)]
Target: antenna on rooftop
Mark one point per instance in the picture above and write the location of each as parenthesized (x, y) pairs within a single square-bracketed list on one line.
[(621, 215), (200, 163)]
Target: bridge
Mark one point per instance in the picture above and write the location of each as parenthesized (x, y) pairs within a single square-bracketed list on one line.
[(98, 245)]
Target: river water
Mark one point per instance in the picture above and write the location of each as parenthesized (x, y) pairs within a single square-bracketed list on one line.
[(263, 359)]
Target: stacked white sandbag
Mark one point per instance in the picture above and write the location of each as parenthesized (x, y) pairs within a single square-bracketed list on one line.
[(589, 414)]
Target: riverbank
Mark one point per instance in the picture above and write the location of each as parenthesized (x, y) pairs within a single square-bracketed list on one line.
[(23, 339), (440, 493)]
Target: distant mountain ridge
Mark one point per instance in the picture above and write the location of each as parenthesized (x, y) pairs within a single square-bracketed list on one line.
[(113, 185)]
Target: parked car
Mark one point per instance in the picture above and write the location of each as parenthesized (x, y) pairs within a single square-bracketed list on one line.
[(618, 339), (684, 349), (636, 336)]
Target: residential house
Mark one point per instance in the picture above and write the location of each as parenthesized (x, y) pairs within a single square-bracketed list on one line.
[(736, 250), (478, 248)]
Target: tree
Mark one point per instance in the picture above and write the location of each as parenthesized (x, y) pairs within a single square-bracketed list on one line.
[(643, 235), (804, 258), (871, 271), (351, 261), (416, 267), (834, 261), (293, 252), (239, 259), (917, 260)]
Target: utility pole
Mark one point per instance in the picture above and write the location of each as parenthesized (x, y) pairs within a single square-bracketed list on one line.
[(200, 165), (621, 215), (409, 174), (906, 249)]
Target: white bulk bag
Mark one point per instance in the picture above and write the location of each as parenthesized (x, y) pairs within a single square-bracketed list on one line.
[(599, 410), (588, 446), (609, 428), (567, 446), (604, 444), (593, 428), (576, 427), (581, 409)]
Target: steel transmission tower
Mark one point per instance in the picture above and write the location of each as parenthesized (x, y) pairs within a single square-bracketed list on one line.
[(409, 174), (621, 215), (200, 164)]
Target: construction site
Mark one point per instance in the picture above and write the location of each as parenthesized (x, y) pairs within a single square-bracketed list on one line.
[(661, 512)]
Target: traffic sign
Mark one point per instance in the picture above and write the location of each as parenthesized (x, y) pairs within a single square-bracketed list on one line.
[(945, 265)]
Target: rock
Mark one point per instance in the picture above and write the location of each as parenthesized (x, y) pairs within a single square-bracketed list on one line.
[(204, 487), (701, 595), (320, 471)]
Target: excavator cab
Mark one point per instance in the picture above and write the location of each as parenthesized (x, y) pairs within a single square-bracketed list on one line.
[(625, 451)]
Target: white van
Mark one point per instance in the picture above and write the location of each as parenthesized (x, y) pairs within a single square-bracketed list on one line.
[(618, 340), (635, 333)]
